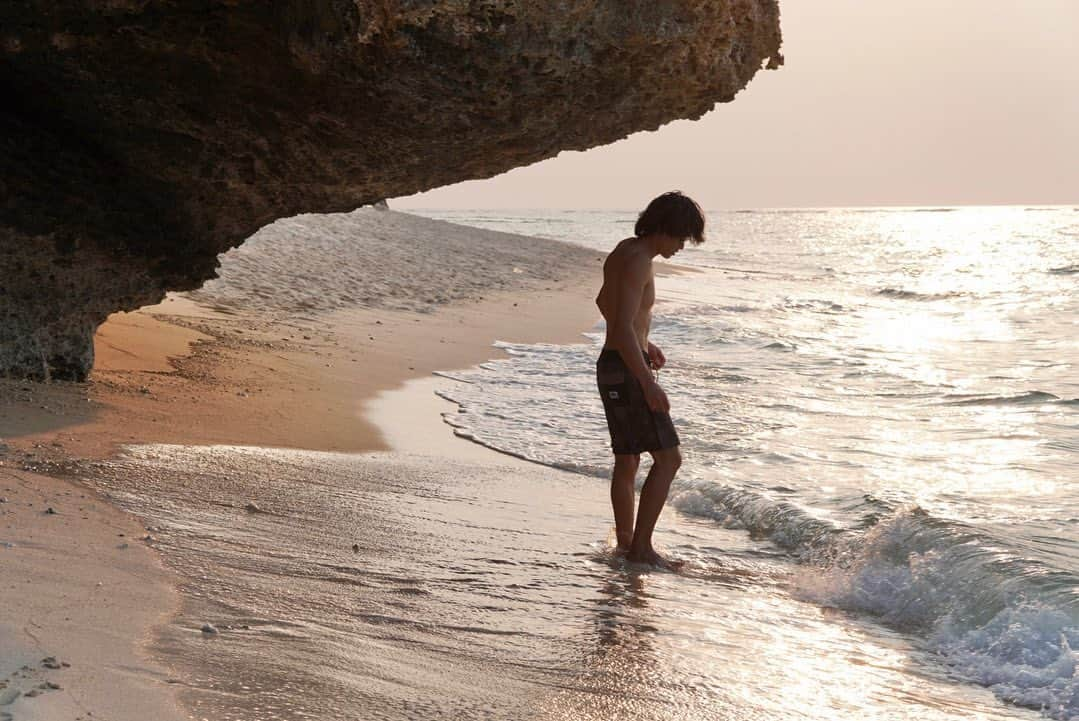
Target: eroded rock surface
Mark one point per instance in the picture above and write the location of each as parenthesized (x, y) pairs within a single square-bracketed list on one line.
[(142, 138)]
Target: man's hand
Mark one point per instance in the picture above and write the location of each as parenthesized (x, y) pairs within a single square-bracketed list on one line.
[(656, 398), (656, 356)]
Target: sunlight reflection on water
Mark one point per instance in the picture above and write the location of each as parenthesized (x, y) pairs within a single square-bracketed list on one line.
[(879, 367)]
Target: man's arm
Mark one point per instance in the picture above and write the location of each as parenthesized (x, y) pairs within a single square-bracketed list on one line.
[(635, 275)]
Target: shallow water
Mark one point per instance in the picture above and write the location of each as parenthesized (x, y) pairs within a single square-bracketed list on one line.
[(888, 397), (877, 510), (489, 592)]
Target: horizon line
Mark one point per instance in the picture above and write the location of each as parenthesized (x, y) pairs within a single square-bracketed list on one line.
[(750, 209)]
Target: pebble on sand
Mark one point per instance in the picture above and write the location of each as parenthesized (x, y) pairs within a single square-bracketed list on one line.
[(209, 628)]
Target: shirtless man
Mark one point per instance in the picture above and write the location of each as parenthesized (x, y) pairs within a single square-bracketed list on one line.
[(637, 409)]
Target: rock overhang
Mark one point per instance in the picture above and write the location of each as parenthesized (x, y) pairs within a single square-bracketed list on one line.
[(143, 138)]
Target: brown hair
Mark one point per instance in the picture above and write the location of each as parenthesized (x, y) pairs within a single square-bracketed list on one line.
[(672, 214)]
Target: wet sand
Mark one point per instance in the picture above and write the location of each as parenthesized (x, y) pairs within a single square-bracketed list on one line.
[(83, 584)]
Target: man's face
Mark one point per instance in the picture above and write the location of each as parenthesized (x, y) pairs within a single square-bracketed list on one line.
[(671, 245)]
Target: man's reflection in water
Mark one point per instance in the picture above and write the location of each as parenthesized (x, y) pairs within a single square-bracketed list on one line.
[(621, 613), (622, 675)]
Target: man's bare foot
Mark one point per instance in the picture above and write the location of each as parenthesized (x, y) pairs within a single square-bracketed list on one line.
[(652, 558)]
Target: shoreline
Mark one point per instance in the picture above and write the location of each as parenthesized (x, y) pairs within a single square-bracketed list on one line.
[(411, 420), (185, 373)]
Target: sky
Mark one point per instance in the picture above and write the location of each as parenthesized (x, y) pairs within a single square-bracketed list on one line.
[(919, 102)]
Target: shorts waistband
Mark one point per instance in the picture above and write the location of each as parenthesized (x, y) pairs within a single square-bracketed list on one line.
[(608, 353)]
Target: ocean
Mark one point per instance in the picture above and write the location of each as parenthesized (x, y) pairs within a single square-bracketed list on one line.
[(885, 399), (879, 411)]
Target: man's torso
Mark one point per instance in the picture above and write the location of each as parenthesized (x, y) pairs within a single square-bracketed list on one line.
[(614, 273)]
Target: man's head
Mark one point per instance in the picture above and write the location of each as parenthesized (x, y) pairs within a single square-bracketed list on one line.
[(675, 216)]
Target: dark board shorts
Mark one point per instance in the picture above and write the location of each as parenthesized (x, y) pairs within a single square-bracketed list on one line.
[(635, 428)]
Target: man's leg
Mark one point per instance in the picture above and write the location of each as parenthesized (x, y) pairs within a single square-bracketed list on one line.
[(622, 496), (665, 464)]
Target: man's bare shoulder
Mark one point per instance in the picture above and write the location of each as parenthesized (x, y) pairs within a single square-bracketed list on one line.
[(627, 258)]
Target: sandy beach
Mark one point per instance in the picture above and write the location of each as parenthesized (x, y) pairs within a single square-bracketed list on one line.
[(257, 512), (244, 365)]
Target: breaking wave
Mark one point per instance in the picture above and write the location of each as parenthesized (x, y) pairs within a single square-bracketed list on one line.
[(994, 617)]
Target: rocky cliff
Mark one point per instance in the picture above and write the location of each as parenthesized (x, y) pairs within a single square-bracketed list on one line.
[(140, 138)]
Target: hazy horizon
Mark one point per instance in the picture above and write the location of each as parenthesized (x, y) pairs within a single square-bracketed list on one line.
[(919, 105), (394, 205)]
